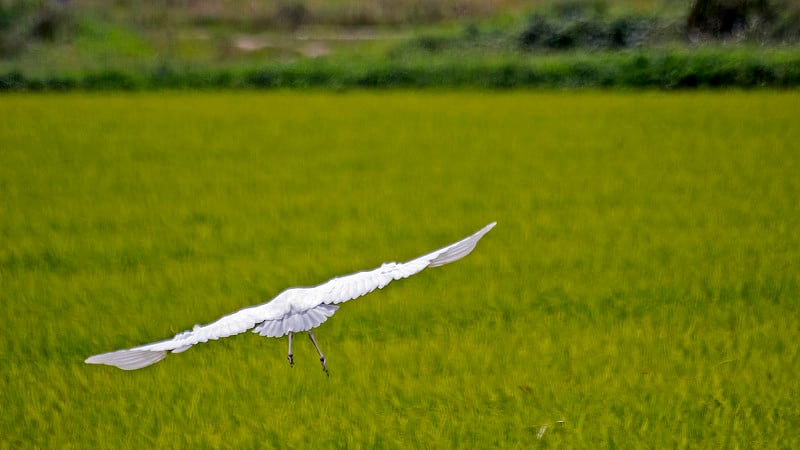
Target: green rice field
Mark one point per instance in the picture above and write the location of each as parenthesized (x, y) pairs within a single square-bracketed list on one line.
[(641, 288)]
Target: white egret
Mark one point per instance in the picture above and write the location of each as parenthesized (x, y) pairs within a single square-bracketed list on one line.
[(292, 311)]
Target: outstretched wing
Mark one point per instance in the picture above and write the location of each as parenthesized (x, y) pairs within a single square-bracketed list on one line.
[(309, 304), (145, 355), (293, 310)]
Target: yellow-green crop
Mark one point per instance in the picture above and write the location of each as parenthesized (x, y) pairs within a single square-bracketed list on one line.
[(641, 289)]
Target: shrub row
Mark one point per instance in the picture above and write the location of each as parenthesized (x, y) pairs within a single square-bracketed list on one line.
[(659, 70), (543, 32), (600, 31)]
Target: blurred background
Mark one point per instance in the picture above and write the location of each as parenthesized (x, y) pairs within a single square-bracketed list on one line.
[(68, 43)]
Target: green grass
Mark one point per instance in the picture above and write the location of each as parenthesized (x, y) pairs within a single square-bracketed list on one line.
[(641, 285)]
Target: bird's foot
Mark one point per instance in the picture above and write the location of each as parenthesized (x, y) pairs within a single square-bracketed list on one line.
[(324, 366), (291, 360)]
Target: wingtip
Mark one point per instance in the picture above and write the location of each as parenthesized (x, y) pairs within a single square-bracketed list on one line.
[(486, 229), (458, 250), (128, 359)]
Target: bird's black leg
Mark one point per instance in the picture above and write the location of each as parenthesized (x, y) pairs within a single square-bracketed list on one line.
[(321, 357), (291, 357)]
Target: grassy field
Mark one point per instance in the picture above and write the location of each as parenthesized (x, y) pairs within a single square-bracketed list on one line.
[(640, 290)]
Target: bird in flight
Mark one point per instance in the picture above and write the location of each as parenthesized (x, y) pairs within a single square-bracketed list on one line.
[(292, 311)]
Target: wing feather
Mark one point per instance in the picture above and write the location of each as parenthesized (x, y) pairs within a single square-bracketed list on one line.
[(293, 310), (349, 287)]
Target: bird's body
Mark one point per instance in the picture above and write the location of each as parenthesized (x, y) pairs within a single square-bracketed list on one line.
[(293, 310)]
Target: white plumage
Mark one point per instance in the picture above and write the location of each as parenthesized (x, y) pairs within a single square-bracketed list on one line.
[(293, 310)]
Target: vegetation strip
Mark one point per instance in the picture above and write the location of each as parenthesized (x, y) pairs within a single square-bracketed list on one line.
[(560, 44), (646, 69)]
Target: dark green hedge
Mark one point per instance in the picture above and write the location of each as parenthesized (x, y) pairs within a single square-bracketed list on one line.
[(662, 69)]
